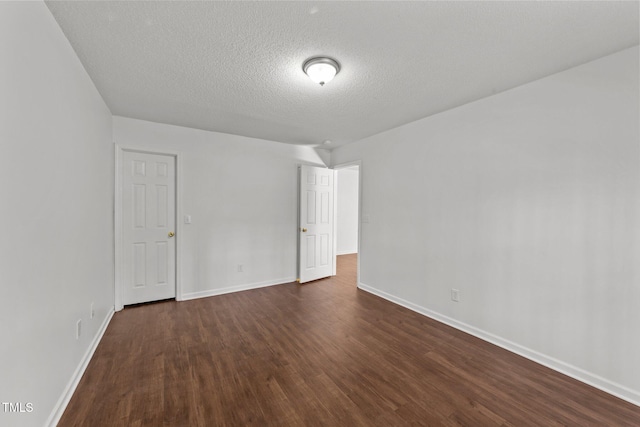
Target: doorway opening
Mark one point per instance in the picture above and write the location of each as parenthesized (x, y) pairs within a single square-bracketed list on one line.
[(348, 211)]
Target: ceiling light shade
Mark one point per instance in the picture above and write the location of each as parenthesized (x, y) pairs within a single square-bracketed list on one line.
[(321, 69)]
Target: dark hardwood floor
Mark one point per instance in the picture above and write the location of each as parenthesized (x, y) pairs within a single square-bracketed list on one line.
[(319, 354)]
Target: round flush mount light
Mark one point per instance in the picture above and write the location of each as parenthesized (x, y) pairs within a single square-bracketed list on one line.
[(327, 142), (321, 69)]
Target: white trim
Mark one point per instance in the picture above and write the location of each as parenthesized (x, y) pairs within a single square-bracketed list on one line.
[(298, 225), (334, 271), (119, 283), (179, 226), (237, 288), (345, 166), (347, 252), (117, 225), (64, 399), (615, 389)]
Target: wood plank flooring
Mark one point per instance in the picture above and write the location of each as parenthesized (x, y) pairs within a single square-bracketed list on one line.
[(318, 354)]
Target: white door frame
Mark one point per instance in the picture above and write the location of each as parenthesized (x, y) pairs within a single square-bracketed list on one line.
[(335, 207), (119, 238)]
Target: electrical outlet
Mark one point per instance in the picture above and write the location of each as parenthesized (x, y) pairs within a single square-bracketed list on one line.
[(92, 312), (455, 295), (240, 268), (78, 328)]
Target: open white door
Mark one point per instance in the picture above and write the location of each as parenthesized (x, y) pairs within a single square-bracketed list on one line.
[(148, 220), (316, 255)]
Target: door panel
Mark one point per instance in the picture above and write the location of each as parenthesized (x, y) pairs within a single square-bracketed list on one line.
[(139, 264), (148, 215), (316, 223), (324, 250)]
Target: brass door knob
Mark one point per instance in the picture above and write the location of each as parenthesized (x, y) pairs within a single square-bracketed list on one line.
[(171, 234), (304, 230)]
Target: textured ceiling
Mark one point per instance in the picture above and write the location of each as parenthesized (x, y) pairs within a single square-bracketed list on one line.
[(235, 67)]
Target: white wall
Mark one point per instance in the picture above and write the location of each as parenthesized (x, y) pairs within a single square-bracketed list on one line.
[(527, 202), (242, 196), (56, 192), (347, 216)]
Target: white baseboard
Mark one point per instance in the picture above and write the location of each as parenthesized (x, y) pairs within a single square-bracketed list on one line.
[(62, 403), (237, 288), (355, 251), (618, 390)]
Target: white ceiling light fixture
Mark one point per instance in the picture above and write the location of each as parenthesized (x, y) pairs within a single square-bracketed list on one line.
[(321, 69)]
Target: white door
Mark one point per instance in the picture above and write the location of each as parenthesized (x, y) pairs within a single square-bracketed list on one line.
[(316, 255), (148, 220)]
